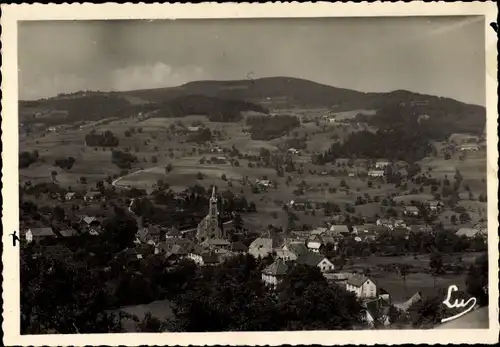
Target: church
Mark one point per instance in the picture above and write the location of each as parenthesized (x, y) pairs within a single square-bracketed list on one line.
[(210, 227)]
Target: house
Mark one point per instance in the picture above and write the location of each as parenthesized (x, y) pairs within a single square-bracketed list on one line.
[(264, 183), (468, 232), (92, 196), (362, 286), (338, 230), (408, 303), (470, 148), (135, 254), (273, 275), (203, 258), (411, 211), (297, 248), (415, 229), (193, 129), (239, 247), (435, 205), (399, 223), (300, 205), (154, 233), (90, 221), (386, 223), (94, 230), (293, 150), (367, 232), (382, 163), (377, 312), (286, 255), (314, 243), (39, 234), (68, 233), (319, 231), (262, 247), (173, 233), (365, 228), (70, 196), (315, 260), (337, 277), (175, 253), (214, 244), (376, 173)]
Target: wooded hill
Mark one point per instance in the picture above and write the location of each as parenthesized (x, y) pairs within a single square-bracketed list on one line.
[(224, 100)]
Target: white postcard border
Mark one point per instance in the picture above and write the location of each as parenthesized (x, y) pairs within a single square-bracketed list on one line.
[(10, 213)]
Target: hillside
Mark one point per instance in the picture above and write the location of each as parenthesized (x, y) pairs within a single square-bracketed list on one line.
[(209, 97)]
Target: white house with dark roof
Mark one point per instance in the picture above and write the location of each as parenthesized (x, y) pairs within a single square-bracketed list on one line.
[(316, 260), (376, 173), (273, 275), (314, 243), (362, 286), (411, 211), (435, 205), (70, 196), (38, 234), (382, 163)]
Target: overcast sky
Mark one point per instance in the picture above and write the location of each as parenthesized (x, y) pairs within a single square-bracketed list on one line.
[(441, 56)]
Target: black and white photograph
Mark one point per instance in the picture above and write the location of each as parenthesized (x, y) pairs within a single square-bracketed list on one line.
[(254, 175)]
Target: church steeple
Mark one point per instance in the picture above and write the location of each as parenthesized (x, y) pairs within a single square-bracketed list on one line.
[(213, 204), (213, 198)]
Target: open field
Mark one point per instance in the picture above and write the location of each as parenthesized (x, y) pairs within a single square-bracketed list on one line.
[(423, 282), (155, 147)]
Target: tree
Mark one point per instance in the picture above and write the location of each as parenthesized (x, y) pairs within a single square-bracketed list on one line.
[(83, 180), (426, 313), (168, 168), (308, 302), (464, 217), (453, 219), (154, 159), (199, 176), (477, 280), (238, 222), (121, 229), (150, 324), (436, 265), (223, 177)]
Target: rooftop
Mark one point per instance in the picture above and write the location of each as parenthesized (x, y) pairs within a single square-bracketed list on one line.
[(278, 268), (357, 280), (310, 259), (42, 232)]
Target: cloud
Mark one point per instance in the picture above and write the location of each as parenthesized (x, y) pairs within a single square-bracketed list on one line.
[(158, 75), (48, 86)]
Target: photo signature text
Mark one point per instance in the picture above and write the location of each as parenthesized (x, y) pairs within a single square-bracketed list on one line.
[(457, 304)]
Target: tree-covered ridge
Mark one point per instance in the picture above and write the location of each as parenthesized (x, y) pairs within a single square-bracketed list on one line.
[(217, 110), (223, 100), (270, 127)]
